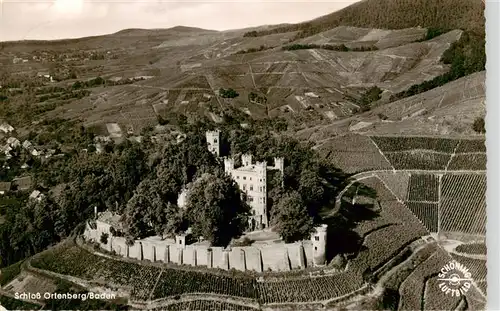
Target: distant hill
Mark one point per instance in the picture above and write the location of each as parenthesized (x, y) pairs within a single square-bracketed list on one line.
[(395, 14)]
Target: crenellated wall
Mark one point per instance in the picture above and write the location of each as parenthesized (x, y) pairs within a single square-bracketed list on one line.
[(258, 257)]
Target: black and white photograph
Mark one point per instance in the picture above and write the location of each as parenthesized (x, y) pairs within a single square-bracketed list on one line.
[(246, 155)]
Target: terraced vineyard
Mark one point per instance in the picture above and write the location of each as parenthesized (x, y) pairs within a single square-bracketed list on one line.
[(427, 213), (415, 143), (418, 160), (412, 289), (176, 282), (468, 161), (423, 187), (473, 248), (15, 304), (472, 145), (477, 267), (309, 289), (202, 305), (463, 206), (69, 259)]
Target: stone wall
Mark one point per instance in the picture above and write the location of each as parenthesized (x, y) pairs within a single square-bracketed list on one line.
[(259, 258)]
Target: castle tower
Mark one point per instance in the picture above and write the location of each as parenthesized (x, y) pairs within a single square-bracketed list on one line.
[(213, 141), (260, 206), (318, 239), (279, 164), (228, 165), (246, 159)]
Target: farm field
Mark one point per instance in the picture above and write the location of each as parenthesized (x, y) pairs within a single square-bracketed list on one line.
[(473, 248), (390, 144), (30, 283), (477, 267), (427, 213), (418, 160), (423, 187), (463, 206), (471, 161), (201, 305), (69, 259), (396, 181)]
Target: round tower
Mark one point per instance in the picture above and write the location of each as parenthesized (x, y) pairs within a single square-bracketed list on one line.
[(318, 239)]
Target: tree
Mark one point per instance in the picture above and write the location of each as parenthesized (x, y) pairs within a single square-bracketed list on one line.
[(215, 209), (479, 126), (311, 190), (291, 218)]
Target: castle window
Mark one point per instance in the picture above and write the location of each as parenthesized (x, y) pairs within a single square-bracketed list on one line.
[(250, 199), (263, 200), (244, 178), (250, 178), (251, 188), (215, 140), (180, 241), (244, 186), (316, 238), (315, 248)]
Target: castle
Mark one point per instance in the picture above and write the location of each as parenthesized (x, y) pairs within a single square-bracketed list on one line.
[(251, 179)]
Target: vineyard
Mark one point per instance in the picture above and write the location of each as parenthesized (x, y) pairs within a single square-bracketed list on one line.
[(415, 143), (309, 289), (203, 305), (477, 267), (463, 206), (397, 182), (69, 259), (418, 160), (471, 161), (476, 145), (427, 213), (176, 282), (473, 248), (423, 187), (434, 299)]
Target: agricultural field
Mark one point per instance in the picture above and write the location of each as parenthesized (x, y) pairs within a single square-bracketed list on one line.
[(468, 161), (353, 153), (423, 188), (176, 282), (202, 305), (309, 289), (418, 160), (390, 144), (463, 206), (412, 289), (427, 213), (473, 249), (396, 181), (471, 145), (434, 299), (69, 259), (477, 267)]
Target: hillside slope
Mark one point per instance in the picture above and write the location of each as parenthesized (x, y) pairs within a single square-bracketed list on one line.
[(396, 14)]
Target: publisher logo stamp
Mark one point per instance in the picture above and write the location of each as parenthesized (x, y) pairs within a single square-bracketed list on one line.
[(454, 279)]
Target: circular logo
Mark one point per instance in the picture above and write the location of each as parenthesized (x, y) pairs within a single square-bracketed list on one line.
[(454, 279)]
